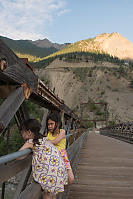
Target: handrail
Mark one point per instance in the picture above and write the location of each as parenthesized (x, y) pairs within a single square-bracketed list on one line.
[(14, 94), (122, 131), (67, 136), (15, 155), (73, 154)]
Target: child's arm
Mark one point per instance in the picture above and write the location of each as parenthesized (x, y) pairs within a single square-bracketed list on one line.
[(25, 146), (59, 137)]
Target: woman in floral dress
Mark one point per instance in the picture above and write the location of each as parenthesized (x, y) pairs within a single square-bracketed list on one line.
[(47, 165)]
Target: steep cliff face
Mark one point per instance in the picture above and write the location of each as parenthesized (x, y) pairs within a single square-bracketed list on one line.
[(77, 83), (66, 85)]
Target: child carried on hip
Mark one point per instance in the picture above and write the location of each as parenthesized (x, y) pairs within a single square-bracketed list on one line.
[(57, 136)]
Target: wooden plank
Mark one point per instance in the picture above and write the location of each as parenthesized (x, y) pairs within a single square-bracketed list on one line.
[(33, 191), (10, 106), (18, 73), (38, 99), (23, 181), (43, 123), (17, 70), (48, 94), (11, 169), (105, 169)]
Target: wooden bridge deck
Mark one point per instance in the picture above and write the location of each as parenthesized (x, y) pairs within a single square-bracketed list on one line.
[(105, 169)]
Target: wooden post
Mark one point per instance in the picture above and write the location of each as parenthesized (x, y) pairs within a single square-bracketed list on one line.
[(62, 119), (43, 123), (3, 191)]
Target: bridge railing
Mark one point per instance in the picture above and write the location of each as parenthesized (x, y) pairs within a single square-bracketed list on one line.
[(9, 167), (122, 131), (73, 154), (19, 83)]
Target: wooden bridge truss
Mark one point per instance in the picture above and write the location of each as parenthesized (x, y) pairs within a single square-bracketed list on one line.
[(18, 83)]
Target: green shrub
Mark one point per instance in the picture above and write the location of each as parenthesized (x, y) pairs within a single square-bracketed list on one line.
[(16, 141), (111, 123), (45, 80), (92, 107), (34, 110), (102, 92), (99, 113), (88, 124)]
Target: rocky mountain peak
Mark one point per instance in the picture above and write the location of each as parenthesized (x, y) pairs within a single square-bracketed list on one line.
[(116, 45), (113, 44), (45, 43)]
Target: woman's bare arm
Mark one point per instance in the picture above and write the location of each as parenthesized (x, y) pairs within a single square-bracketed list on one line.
[(25, 146), (59, 137)]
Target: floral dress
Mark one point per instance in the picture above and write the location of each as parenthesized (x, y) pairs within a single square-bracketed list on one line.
[(61, 146), (48, 167)]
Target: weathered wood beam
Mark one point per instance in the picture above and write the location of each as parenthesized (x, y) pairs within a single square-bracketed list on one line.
[(10, 106), (11, 169), (43, 123), (48, 94), (23, 181), (38, 99), (62, 119), (5, 79), (17, 70), (6, 90), (22, 114), (33, 191), (18, 73)]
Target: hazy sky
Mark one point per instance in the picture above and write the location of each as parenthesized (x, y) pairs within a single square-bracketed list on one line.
[(63, 21)]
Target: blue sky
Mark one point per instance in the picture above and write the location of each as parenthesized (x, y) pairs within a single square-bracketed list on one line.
[(63, 21)]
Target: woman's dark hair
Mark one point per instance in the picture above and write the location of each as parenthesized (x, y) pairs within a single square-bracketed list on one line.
[(3, 57), (34, 126), (56, 118)]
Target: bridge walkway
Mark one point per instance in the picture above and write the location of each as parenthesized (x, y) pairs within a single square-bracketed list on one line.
[(105, 169)]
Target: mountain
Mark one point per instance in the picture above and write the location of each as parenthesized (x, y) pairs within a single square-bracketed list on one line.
[(92, 71), (37, 49), (45, 43), (112, 44)]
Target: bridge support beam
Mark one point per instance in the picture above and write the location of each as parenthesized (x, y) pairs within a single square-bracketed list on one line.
[(10, 106)]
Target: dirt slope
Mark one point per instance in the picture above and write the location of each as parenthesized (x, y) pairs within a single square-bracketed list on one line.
[(78, 82)]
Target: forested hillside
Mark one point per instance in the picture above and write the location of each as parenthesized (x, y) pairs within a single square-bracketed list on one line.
[(77, 57), (28, 49)]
